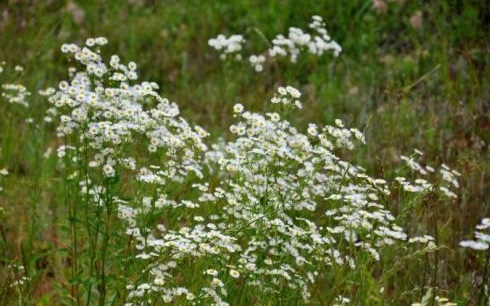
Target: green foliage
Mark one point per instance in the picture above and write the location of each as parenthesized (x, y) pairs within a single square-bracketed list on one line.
[(407, 85)]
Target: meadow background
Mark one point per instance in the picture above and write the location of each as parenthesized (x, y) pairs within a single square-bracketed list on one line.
[(412, 75)]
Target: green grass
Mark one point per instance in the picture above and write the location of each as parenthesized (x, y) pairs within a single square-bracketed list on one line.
[(407, 88)]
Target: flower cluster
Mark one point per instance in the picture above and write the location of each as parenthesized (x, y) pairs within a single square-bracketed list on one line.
[(446, 184), (297, 41), (482, 237), (430, 299), (440, 301), (101, 113), (230, 46), (275, 181), (278, 180), (271, 207), (257, 62), (341, 301), (18, 273), (14, 93), (108, 118), (316, 42), (282, 193), (287, 96)]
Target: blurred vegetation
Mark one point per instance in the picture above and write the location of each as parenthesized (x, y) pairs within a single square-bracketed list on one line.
[(413, 74)]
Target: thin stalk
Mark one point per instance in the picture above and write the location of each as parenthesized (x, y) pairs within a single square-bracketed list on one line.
[(72, 215), (34, 192), (481, 299), (94, 261), (436, 264), (19, 291), (107, 225), (90, 235), (424, 277)]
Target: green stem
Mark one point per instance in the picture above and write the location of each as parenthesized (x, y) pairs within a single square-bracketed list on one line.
[(72, 214), (92, 240), (436, 263), (107, 224), (424, 277), (481, 299)]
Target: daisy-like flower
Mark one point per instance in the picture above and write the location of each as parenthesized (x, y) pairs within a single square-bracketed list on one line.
[(314, 40), (482, 238), (234, 273), (212, 272)]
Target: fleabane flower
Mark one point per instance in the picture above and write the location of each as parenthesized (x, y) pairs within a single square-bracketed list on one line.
[(275, 179), (287, 96), (447, 179), (109, 170), (212, 272), (229, 46), (234, 273), (314, 41), (257, 62), (482, 239), (238, 108)]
